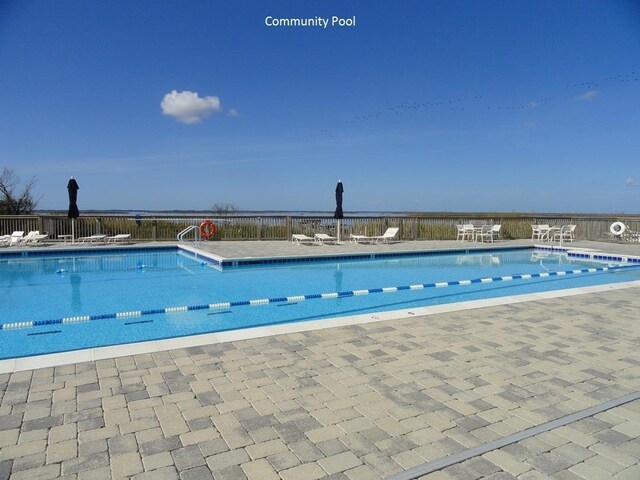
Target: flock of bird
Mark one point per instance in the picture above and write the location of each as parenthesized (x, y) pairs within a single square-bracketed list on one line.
[(478, 101)]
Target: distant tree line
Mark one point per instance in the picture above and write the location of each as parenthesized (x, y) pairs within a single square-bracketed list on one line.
[(224, 209), (15, 201)]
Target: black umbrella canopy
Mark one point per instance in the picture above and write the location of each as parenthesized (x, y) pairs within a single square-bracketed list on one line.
[(339, 213), (73, 188)]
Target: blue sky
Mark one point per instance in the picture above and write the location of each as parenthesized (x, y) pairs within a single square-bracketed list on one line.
[(530, 106)]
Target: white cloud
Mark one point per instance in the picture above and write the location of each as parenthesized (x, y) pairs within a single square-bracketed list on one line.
[(232, 112), (632, 182), (189, 107), (586, 97)]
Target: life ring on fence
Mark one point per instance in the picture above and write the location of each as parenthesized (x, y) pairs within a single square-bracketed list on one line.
[(207, 229), (617, 228)]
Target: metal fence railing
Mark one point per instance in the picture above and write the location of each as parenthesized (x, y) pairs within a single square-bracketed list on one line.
[(411, 227)]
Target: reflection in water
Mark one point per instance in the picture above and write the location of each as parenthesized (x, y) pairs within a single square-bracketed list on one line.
[(76, 303), (337, 275), (487, 259), (551, 260)]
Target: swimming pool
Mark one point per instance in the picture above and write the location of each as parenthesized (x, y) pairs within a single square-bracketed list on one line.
[(55, 303)]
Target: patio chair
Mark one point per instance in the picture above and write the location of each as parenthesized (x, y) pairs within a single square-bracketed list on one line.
[(321, 238), (5, 240), (465, 232), (485, 233), (300, 238), (538, 232), (631, 236), (119, 238), (564, 234), (551, 233), (495, 232)]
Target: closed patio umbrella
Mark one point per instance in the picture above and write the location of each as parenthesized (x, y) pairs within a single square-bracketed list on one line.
[(73, 213), (339, 214)]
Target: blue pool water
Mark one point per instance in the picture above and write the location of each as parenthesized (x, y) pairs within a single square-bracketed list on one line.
[(46, 289)]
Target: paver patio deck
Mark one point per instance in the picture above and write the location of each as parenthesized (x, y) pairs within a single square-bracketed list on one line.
[(353, 402)]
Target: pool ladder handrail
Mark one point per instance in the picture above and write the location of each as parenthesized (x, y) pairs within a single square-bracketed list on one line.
[(196, 228)]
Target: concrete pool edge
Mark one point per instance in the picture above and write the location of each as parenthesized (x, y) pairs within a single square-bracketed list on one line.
[(220, 261), (115, 351)]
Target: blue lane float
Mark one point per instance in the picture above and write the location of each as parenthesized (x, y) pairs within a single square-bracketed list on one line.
[(299, 298)]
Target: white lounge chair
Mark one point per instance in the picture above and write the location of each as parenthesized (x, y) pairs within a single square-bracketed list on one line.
[(93, 238), (357, 238), (300, 238), (119, 238), (29, 235), (34, 237), (5, 240), (16, 237), (390, 234), (321, 238)]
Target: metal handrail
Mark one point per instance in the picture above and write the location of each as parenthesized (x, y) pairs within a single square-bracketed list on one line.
[(196, 228)]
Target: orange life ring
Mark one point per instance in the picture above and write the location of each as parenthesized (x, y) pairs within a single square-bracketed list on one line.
[(207, 229)]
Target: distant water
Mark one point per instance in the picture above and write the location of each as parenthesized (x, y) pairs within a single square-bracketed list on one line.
[(204, 213)]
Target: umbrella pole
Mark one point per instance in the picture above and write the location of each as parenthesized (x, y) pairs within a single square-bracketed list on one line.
[(73, 235), (338, 231)]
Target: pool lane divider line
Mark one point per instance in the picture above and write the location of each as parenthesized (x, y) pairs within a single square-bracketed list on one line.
[(441, 463), (300, 298)]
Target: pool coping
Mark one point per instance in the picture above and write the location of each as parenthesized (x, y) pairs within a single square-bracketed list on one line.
[(249, 261), (221, 262), (93, 250)]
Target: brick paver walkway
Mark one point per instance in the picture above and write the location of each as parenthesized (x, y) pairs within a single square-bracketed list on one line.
[(354, 402)]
